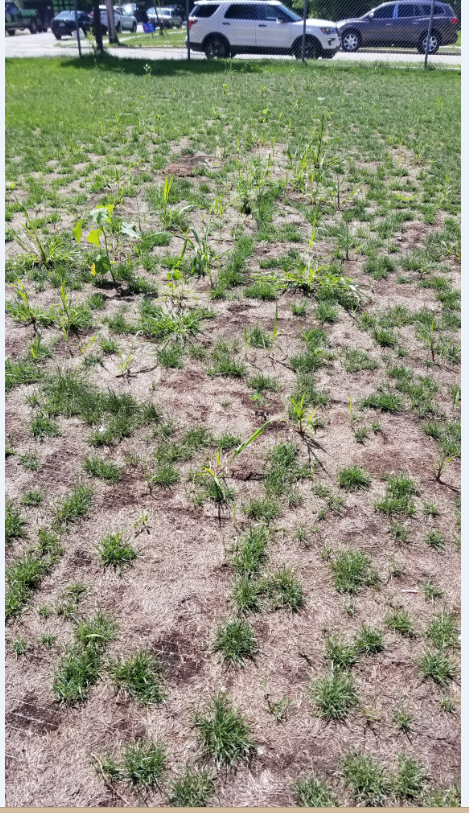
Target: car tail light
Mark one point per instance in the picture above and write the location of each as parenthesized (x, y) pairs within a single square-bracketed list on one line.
[(454, 20), (191, 23)]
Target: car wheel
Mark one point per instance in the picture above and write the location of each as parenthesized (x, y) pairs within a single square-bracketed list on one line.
[(312, 48), (134, 28), (33, 28), (328, 54), (350, 41), (12, 32), (433, 46), (58, 36), (216, 48), (119, 28)]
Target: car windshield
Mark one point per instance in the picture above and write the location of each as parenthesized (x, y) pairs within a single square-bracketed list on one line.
[(65, 15)]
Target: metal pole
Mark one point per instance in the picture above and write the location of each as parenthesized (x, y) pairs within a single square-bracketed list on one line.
[(303, 43), (111, 23), (430, 26), (78, 30), (188, 32)]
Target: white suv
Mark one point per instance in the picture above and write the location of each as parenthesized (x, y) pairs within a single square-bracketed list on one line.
[(228, 28)]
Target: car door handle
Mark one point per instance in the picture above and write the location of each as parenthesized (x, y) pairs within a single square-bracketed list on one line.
[(388, 24), (262, 25), (225, 23)]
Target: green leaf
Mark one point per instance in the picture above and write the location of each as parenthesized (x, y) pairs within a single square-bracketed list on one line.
[(101, 215), (93, 237), (102, 264), (77, 231), (130, 230)]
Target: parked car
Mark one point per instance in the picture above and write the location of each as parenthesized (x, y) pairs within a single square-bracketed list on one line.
[(166, 16), (137, 10), (235, 27), (65, 24), (128, 21), (16, 19), (180, 11), (400, 24), (43, 10)]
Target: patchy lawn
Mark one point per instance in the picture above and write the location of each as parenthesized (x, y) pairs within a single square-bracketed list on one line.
[(192, 618)]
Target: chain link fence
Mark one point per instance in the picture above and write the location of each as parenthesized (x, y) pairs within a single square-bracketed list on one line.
[(356, 31)]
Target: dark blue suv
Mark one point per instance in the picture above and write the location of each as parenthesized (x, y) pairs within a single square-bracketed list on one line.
[(400, 24)]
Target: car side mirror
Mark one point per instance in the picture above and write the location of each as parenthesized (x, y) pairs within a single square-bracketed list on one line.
[(279, 20), (371, 15)]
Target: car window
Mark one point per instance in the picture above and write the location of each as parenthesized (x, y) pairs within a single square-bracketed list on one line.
[(384, 13), (65, 15), (241, 12), (204, 11), (425, 10), (290, 14), (406, 10), (272, 13)]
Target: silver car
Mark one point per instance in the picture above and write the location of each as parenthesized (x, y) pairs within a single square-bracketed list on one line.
[(168, 16), (123, 22), (127, 19)]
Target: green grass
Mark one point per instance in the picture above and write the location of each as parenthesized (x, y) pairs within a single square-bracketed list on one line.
[(366, 779), (352, 571), (411, 778), (436, 666), (79, 668), (368, 641), (115, 551), (143, 763), (223, 733), (353, 478), (313, 792), (141, 676), (194, 787), (356, 360), (33, 498), (106, 471), (15, 522), (333, 696), (442, 630), (399, 497), (400, 621), (75, 505), (235, 642)]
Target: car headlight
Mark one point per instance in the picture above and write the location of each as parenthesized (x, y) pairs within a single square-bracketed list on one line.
[(328, 30)]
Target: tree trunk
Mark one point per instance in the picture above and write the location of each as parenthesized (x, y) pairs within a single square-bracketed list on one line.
[(111, 23), (98, 33)]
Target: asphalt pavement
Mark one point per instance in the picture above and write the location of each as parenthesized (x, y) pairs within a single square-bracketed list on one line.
[(24, 44)]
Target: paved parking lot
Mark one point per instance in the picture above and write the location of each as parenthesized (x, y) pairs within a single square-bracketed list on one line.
[(24, 44)]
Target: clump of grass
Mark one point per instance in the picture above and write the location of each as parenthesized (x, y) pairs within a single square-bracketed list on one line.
[(341, 655), (282, 469), (399, 532), (400, 491), (224, 360), (353, 478), (435, 539), (15, 523), (246, 595), (313, 792), (19, 647), (263, 383), (33, 498), (78, 670), (235, 641), (257, 337), (436, 666), (194, 787), (43, 426), (442, 630), (115, 551), (356, 360), (410, 778), (170, 357), (30, 461), (431, 591), (283, 589), (333, 696), (385, 401), (262, 509), (261, 290), (25, 574), (75, 505), (400, 621), (106, 471), (325, 312), (368, 641), (223, 732), (251, 552), (403, 719), (366, 779), (143, 763), (352, 571), (141, 676), (298, 308)]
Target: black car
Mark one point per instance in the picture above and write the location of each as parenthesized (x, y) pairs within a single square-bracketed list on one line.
[(400, 24), (65, 24)]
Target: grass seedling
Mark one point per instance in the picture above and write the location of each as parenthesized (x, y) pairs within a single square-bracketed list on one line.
[(341, 655), (442, 630), (435, 539), (33, 498), (403, 719), (235, 641), (368, 641), (431, 591), (436, 666), (143, 763), (223, 733), (400, 490), (74, 506), (19, 647), (410, 778), (141, 676), (303, 421), (352, 571), (108, 472), (15, 523)]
